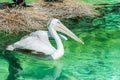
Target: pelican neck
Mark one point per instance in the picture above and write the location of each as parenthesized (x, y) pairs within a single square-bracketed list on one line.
[(60, 50), (57, 38)]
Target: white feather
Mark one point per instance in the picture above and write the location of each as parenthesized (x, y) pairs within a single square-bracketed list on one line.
[(37, 41)]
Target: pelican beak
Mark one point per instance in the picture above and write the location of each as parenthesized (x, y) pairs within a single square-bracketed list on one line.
[(66, 31)]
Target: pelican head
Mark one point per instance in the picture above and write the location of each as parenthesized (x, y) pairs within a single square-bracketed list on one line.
[(58, 26)]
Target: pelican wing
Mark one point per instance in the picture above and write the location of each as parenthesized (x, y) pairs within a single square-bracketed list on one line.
[(37, 41)]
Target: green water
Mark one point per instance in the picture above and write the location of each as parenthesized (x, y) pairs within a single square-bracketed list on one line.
[(101, 1), (97, 59)]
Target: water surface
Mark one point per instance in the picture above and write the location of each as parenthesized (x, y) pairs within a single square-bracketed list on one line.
[(97, 59)]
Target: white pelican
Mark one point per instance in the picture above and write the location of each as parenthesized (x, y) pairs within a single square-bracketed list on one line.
[(38, 41)]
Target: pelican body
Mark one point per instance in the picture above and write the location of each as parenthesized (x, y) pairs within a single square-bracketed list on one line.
[(38, 42)]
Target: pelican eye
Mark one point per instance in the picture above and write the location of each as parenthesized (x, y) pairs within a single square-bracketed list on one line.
[(58, 22)]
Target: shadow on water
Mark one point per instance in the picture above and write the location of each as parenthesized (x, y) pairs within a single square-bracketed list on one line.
[(14, 65), (44, 71), (40, 69)]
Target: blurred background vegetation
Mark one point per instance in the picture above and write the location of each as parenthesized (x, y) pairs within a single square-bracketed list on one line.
[(28, 1), (88, 1)]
